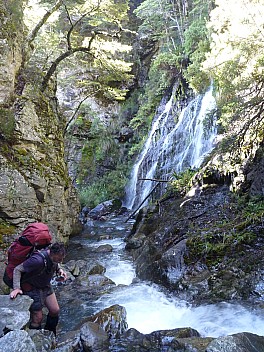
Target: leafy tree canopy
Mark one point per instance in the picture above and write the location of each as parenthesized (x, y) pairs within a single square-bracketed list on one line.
[(87, 32), (236, 62)]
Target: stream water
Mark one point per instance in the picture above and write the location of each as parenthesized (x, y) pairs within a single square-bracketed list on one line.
[(150, 307)]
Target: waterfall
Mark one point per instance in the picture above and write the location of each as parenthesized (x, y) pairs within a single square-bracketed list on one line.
[(174, 144)]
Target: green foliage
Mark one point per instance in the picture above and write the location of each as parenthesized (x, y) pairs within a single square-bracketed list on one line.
[(235, 63), (181, 31), (102, 175), (110, 186), (182, 39), (196, 45), (5, 229), (161, 76), (7, 124), (83, 37), (142, 121), (181, 182), (152, 13), (212, 244), (162, 72)]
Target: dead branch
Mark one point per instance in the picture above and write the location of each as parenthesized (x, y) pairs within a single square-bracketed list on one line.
[(77, 109), (153, 179), (134, 212)]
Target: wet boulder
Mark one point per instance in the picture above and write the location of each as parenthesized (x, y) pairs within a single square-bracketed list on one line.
[(180, 339), (240, 342), (83, 267), (43, 340), (104, 208), (104, 248), (112, 319), (70, 342), (91, 285), (93, 337)]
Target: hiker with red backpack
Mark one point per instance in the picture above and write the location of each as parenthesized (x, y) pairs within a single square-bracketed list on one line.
[(33, 275)]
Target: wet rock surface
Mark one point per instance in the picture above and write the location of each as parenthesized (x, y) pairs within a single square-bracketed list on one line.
[(200, 247)]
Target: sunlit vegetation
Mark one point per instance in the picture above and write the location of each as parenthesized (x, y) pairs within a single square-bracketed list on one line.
[(84, 37), (182, 182), (235, 63), (86, 48)]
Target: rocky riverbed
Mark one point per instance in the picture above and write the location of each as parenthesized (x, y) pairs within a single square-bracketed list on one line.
[(92, 318)]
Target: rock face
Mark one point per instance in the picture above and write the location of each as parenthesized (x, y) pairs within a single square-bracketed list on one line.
[(34, 180), (199, 246), (10, 52)]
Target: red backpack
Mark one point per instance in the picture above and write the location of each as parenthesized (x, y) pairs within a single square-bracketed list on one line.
[(35, 236)]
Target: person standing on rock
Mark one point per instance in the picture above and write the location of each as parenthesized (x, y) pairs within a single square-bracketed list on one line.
[(33, 278)]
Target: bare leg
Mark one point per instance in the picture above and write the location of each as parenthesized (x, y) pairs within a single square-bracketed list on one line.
[(36, 319), (52, 305)]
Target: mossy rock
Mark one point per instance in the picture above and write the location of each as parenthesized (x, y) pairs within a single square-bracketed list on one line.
[(5, 230)]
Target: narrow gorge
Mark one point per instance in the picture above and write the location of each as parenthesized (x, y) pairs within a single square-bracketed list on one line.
[(134, 130)]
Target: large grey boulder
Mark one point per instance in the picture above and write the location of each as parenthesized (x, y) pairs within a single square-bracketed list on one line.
[(14, 313), (242, 342), (17, 341), (93, 337)]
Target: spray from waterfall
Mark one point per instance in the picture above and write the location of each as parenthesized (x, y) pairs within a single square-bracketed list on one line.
[(174, 144)]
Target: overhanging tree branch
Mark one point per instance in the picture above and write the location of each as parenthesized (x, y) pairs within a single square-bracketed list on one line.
[(69, 53), (62, 57), (71, 49), (73, 25)]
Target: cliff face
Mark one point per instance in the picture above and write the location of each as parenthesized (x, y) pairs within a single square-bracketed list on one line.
[(34, 182)]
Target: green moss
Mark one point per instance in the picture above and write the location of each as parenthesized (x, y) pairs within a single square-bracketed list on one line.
[(7, 123), (5, 230), (21, 151)]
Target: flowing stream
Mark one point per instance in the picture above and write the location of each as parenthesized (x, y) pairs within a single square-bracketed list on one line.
[(150, 307)]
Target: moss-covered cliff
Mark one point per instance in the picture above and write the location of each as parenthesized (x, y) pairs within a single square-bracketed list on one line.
[(34, 181)]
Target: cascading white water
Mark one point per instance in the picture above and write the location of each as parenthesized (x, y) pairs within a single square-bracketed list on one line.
[(150, 308), (172, 147)]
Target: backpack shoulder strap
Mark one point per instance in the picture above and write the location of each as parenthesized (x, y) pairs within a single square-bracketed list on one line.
[(46, 260), (44, 256)]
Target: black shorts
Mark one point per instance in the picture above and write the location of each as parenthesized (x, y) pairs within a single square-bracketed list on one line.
[(39, 296)]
